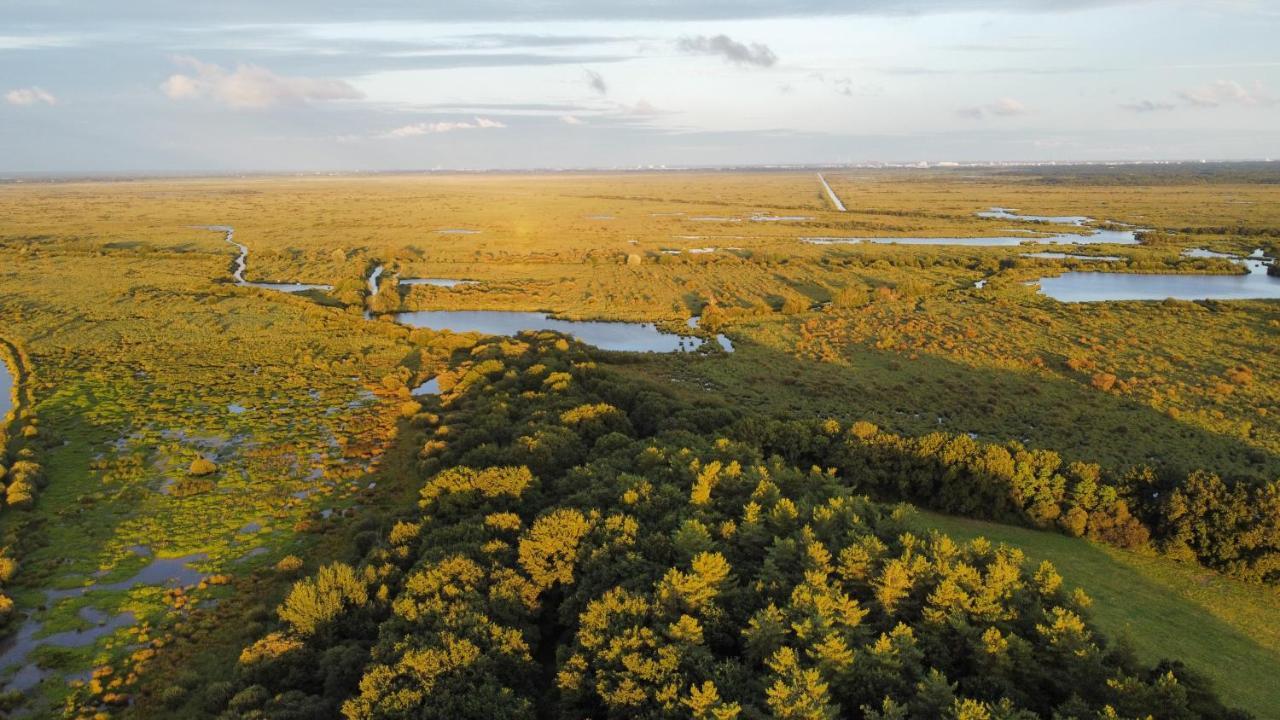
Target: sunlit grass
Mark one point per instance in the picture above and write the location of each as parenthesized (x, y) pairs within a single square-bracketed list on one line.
[(1220, 627)]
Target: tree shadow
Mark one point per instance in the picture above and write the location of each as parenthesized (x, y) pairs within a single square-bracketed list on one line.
[(934, 394)]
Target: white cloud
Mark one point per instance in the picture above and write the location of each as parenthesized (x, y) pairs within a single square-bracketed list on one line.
[(572, 120), (33, 42), (1224, 92), (1004, 107), (729, 49), (30, 96), (251, 86), (434, 128), (640, 108)]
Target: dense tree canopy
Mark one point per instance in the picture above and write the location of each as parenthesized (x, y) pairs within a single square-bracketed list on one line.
[(589, 547)]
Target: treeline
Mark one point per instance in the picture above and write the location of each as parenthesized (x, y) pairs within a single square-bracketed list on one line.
[(21, 475), (1259, 173), (589, 546), (1232, 527), (1234, 230)]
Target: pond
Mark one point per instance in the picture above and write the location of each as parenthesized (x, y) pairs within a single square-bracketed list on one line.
[(1097, 237), (286, 287), (430, 387), (437, 282), (1101, 286), (1027, 236), (999, 213), (780, 218), (618, 336), (1071, 256), (725, 343), (170, 572)]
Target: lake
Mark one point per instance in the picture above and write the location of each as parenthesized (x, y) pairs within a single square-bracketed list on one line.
[(1101, 286), (725, 343), (998, 213), (1071, 256), (286, 287), (1097, 237), (618, 336), (1027, 236), (436, 282)]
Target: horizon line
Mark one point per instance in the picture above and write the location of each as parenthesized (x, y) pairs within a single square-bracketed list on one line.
[(10, 176)]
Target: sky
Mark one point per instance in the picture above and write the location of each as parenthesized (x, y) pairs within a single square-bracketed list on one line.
[(135, 86)]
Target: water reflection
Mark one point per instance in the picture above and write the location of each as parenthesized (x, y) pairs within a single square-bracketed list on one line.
[(436, 282), (1101, 286), (1071, 256), (6, 392), (430, 387), (1097, 237), (619, 336), (242, 261), (1093, 237), (999, 213)]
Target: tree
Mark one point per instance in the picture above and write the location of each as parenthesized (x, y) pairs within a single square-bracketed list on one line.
[(316, 601), (548, 551), (797, 693)]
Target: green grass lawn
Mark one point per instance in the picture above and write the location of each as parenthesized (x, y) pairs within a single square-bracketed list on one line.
[(1225, 629)]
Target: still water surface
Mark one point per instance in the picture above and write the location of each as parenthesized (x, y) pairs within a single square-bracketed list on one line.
[(619, 336), (1100, 286)]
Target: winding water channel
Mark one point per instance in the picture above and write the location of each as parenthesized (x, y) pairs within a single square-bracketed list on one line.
[(616, 336), (242, 263)]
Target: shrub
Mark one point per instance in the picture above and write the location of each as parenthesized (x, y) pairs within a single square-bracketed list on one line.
[(20, 495), (202, 466), (250, 698), (8, 569), (1104, 381), (172, 697)]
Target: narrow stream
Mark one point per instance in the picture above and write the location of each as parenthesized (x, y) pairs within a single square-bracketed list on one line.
[(6, 392), (373, 280), (242, 263)]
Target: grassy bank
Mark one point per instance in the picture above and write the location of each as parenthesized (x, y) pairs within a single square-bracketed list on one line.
[(1224, 629)]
